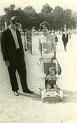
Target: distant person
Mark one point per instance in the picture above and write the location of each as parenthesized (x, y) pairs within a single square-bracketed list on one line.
[(13, 55), (65, 39), (56, 37), (70, 34), (33, 30)]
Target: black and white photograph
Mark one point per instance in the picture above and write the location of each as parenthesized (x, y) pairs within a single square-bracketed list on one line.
[(38, 61)]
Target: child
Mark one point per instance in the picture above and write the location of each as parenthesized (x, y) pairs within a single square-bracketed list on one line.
[(51, 77)]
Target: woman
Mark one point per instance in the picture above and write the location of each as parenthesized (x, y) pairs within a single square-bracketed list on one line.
[(47, 42)]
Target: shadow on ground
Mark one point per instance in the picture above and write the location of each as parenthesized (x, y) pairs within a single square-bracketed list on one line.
[(69, 96)]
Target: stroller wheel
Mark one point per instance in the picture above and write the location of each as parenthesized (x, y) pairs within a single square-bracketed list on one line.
[(42, 99), (61, 99), (61, 95), (42, 95)]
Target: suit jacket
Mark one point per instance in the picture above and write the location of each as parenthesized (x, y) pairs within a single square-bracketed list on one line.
[(8, 45), (65, 37)]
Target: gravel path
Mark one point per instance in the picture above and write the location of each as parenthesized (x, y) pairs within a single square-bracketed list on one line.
[(29, 108)]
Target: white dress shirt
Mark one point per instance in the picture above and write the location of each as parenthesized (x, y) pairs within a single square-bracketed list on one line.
[(15, 38)]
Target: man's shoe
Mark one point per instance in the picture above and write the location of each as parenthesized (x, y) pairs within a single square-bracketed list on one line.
[(16, 93), (28, 91), (31, 92)]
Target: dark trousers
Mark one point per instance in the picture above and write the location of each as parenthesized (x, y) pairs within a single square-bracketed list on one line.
[(65, 44), (18, 64)]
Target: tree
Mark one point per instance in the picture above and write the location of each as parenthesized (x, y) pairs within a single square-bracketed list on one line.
[(68, 12), (2, 22), (31, 16), (9, 12), (47, 14), (12, 6), (68, 17), (74, 16), (58, 17), (46, 9)]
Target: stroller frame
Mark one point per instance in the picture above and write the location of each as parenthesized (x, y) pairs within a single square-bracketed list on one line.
[(44, 93)]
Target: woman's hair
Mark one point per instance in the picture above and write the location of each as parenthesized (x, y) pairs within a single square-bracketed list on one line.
[(44, 25)]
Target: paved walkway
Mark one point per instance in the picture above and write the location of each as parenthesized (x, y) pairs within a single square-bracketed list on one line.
[(30, 109)]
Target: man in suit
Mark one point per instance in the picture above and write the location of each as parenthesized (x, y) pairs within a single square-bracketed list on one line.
[(13, 55), (65, 39)]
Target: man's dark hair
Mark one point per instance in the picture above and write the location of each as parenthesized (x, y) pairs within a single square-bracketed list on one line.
[(15, 19)]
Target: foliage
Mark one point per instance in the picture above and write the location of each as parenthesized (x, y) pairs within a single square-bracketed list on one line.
[(56, 17)]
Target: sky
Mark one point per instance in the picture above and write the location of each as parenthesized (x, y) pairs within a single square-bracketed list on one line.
[(38, 4)]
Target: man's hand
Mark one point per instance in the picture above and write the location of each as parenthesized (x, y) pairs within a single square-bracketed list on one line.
[(7, 63)]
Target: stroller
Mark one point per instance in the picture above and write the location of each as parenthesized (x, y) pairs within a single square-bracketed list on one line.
[(51, 88)]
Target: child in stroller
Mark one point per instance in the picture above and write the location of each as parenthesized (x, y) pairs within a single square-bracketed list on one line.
[(52, 75), (50, 79)]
